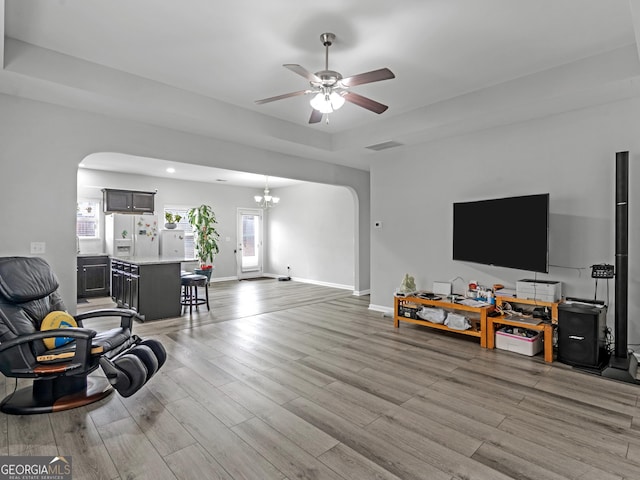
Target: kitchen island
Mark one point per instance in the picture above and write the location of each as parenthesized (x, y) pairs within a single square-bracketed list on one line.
[(148, 285)]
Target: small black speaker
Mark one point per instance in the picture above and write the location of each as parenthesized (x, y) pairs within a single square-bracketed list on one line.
[(582, 335)]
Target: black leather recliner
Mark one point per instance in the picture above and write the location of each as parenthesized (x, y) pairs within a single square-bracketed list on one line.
[(28, 292)]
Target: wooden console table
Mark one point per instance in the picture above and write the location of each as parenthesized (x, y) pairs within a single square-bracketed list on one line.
[(544, 327), (479, 326)]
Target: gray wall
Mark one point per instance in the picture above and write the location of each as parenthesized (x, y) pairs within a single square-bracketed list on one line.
[(41, 146), (571, 156), (317, 236), (312, 231)]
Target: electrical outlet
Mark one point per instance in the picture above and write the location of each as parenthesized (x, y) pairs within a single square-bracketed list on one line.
[(38, 248)]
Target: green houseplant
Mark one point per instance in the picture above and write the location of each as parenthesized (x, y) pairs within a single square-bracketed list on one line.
[(171, 219), (203, 220)]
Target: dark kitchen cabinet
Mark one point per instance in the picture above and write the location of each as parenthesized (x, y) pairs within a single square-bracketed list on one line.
[(131, 286), (117, 281), (150, 288), (93, 276), (128, 201)]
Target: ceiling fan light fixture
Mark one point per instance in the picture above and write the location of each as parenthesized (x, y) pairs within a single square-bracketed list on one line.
[(337, 100), (330, 89), (326, 102)]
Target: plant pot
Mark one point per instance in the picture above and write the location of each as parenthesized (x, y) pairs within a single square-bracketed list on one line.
[(170, 226), (205, 272)]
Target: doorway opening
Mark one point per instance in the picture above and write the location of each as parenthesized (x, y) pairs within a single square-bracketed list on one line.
[(250, 243)]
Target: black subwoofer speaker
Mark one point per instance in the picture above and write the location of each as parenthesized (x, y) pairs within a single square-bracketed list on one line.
[(582, 335)]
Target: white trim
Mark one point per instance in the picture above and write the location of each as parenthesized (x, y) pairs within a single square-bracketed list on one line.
[(258, 271), (362, 293), (296, 279), (324, 284), (386, 311), (314, 282)]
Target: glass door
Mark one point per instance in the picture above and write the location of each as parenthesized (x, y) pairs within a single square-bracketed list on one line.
[(249, 243)]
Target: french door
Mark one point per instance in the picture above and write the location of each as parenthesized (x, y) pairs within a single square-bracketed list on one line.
[(249, 242)]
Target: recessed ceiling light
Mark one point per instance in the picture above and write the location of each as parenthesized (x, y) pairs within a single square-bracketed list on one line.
[(171, 170)]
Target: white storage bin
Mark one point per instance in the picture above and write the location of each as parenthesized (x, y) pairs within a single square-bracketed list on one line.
[(516, 343)]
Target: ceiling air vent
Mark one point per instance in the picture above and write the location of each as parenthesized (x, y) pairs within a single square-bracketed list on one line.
[(384, 145)]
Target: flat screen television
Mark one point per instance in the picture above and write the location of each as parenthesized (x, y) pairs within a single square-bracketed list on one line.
[(508, 232)]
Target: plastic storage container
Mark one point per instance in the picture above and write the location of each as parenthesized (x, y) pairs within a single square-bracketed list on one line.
[(514, 342)]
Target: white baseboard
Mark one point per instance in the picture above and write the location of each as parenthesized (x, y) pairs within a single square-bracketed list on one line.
[(362, 293), (386, 311), (313, 282), (301, 280), (324, 284)]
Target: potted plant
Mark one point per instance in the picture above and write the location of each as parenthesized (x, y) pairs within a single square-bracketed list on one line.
[(171, 220), (203, 220)]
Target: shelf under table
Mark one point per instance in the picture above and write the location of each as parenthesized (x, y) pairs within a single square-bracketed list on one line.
[(545, 328)]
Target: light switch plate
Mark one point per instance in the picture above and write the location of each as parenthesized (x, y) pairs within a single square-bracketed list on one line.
[(38, 248)]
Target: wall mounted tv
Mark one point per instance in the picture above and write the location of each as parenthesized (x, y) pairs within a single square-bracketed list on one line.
[(508, 232)]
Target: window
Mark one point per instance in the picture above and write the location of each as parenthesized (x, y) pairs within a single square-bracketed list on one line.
[(183, 224), (88, 219)]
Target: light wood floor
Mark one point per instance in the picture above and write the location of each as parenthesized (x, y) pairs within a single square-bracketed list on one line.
[(290, 380)]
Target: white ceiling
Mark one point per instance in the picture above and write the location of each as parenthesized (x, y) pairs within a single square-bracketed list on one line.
[(153, 167), (199, 65)]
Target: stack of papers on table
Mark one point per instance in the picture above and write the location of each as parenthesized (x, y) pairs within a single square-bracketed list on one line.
[(506, 292), (470, 302)]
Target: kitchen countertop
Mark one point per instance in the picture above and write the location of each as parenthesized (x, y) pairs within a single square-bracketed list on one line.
[(153, 260)]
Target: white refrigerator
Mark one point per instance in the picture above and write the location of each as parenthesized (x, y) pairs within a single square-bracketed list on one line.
[(172, 243), (131, 235)]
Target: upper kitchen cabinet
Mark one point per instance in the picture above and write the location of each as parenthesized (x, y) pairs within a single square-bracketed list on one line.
[(128, 201)]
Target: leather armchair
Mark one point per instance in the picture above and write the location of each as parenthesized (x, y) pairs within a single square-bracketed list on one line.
[(28, 292)]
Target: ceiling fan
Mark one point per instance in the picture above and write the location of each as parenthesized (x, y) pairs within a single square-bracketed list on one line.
[(331, 89)]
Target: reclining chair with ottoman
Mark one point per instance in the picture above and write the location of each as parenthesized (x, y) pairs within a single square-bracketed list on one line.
[(28, 298)]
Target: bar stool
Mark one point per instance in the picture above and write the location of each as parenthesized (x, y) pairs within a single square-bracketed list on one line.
[(190, 284)]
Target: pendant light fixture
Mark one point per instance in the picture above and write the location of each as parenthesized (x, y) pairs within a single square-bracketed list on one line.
[(267, 200)]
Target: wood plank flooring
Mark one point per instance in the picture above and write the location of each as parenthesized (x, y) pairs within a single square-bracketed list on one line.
[(285, 380)]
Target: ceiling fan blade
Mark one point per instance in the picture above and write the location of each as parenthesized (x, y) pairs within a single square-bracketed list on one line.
[(280, 97), (303, 72), (368, 77), (364, 102), (316, 116)]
